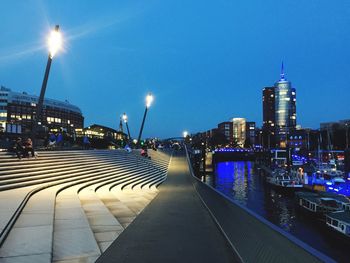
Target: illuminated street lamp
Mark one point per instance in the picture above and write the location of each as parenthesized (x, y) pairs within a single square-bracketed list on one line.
[(347, 135), (149, 100), (54, 44), (185, 134), (125, 119)]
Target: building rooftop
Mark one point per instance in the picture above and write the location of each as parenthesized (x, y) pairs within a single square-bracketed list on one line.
[(25, 97)]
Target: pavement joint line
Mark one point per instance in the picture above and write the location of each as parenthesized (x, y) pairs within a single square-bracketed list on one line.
[(237, 254), (34, 254)]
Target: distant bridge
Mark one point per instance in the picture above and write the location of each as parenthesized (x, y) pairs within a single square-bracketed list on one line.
[(233, 154)]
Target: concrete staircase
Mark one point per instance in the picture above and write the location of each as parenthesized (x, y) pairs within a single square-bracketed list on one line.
[(69, 206)]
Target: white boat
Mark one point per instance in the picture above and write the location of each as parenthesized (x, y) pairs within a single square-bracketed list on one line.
[(339, 222), (329, 169), (282, 179), (318, 204)]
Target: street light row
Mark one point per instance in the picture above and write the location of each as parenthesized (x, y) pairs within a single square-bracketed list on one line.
[(149, 100), (54, 45)]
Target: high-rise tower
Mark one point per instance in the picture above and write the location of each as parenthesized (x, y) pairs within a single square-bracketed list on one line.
[(279, 110)]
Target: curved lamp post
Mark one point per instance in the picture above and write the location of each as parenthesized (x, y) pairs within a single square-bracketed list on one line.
[(149, 100), (125, 119), (54, 44)]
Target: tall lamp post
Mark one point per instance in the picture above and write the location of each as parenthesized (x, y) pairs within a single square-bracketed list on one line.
[(346, 135), (125, 119), (55, 44), (149, 100)]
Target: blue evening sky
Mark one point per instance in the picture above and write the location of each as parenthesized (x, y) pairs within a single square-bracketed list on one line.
[(205, 61)]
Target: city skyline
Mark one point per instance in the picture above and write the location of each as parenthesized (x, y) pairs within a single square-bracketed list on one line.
[(203, 67)]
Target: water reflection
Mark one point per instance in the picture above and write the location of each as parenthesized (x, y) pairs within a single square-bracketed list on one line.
[(236, 179), (243, 182)]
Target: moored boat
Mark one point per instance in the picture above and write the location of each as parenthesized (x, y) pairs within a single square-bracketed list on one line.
[(319, 204), (339, 222), (283, 180)]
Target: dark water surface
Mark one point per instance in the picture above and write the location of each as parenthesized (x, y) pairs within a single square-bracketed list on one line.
[(243, 182)]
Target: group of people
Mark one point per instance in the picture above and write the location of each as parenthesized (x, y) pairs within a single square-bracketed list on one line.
[(55, 140), (144, 153), (22, 149)]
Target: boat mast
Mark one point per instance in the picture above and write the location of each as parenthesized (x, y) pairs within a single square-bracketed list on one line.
[(330, 146)]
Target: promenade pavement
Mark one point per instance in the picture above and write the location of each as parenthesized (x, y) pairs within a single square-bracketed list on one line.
[(174, 227)]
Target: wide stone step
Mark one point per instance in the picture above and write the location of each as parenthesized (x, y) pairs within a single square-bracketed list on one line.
[(33, 231), (74, 166), (35, 163), (33, 166), (73, 239), (40, 161), (104, 225), (94, 177), (51, 177)]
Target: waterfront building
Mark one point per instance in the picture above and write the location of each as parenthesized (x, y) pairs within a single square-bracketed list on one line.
[(269, 108), (18, 110), (226, 128), (305, 139), (279, 111), (250, 133), (298, 139), (267, 134), (239, 131), (102, 132)]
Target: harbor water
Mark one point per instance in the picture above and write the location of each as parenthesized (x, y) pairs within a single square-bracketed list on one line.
[(245, 183)]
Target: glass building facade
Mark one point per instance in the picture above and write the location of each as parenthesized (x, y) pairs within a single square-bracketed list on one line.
[(239, 131), (279, 111), (285, 110)]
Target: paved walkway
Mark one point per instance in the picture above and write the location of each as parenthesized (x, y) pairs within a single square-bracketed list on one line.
[(174, 227)]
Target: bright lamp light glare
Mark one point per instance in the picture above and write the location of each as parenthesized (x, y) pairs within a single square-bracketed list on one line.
[(149, 100), (54, 42), (125, 118), (185, 133)]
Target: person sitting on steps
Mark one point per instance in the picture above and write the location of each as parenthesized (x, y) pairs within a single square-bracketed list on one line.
[(28, 147), (18, 148)]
